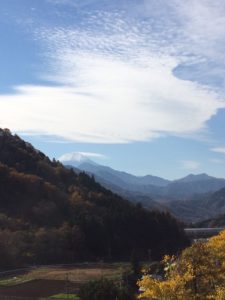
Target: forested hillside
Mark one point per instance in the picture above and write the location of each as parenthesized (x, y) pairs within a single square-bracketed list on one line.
[(50, 214), (200, 208), (155, 190), (218, 221)]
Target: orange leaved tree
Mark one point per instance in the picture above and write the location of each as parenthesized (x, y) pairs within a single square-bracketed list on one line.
[(198, 274)]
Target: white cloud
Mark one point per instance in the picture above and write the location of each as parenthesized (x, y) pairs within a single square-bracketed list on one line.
[(203, 23), (79, 156), (219, 150), (114, 102), (115, 85), (190, 165), (74, 3), (60, 1), (217, 161)]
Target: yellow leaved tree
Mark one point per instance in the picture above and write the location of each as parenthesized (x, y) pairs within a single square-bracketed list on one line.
[(198, 274)]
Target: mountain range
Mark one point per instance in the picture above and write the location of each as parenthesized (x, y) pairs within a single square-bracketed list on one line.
[(188, 198), (52, 214)]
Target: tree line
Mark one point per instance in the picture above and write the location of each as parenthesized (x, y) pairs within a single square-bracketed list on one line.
[(50, 214)]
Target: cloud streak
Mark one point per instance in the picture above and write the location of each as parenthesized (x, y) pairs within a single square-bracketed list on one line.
[(219, 150), (115, 84), (190, 165)]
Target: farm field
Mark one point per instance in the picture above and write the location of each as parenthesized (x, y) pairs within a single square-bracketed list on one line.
[(37, 288), (49, 281)]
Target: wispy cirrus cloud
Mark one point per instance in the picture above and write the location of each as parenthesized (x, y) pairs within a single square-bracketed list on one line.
[(115, 81), (217, 161), (203, 37), (204, 23), (219, 150), (75, 3), (190, 165)]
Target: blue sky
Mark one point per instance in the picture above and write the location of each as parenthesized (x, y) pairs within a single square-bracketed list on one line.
[(137, 85)]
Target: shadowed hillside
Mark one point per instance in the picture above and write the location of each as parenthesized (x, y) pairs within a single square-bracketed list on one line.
[(50, 214)]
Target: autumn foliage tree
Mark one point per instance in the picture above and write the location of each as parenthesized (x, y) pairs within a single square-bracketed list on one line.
[(52, 214), (198, 274)]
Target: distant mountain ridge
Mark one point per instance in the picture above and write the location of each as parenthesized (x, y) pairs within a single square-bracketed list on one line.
[(157, 188), (194, 178), (76, 159), (191, 198), (218, 221), (203, 207), (192, 186), (50, 214), (124, 177)]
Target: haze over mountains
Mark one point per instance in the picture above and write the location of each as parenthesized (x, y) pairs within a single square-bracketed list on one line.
[(159, 188), (187, 198)]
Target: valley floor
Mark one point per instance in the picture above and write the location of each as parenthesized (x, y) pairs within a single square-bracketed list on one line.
[(48, 281)]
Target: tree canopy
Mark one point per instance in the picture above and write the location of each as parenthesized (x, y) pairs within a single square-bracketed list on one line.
[(198, 273), (50, 214)]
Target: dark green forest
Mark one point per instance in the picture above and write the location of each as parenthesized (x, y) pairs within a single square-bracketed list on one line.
[(50, 214)]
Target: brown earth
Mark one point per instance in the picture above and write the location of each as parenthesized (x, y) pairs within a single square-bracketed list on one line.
[(39, 288), (47, 281), (76, 274)]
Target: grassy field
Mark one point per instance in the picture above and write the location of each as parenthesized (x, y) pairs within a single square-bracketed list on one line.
[(54, 281), (81, 273), (65, 297)]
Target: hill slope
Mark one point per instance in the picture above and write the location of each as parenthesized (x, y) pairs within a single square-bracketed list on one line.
[(184, 197), (200, 208), (50, 214), (153, 188), (218, 221)]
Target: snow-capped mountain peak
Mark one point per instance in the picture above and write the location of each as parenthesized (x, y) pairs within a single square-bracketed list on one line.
[(77, 158)]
